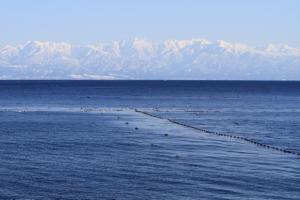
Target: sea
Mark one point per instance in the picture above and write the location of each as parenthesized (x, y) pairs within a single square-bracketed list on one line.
[(177, 140)]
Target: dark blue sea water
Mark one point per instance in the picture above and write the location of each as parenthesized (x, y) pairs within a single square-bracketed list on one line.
[(84, 140)]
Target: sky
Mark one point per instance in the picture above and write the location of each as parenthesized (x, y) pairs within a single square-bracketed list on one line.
[(254, 22)]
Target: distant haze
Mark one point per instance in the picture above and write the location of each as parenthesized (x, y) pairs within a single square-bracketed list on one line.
[(154, 39), (194, 59), (81, 22)]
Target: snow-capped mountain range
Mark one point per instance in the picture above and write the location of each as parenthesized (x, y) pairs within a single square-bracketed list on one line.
[(141, 59)]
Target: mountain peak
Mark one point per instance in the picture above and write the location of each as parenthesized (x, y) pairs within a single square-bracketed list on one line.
[(142, 59), (282, 50)]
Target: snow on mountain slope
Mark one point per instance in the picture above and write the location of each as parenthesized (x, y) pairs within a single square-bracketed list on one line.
[(141, 59)]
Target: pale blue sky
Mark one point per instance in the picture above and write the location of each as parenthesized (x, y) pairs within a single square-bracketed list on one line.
[(255, 22)]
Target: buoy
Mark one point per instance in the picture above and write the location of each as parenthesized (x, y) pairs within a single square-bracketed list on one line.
[(219, 134)]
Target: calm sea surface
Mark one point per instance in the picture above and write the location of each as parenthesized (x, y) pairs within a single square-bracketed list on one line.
[(84, 140)]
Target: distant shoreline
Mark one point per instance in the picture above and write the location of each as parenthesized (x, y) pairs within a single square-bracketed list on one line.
[(149, 80)]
